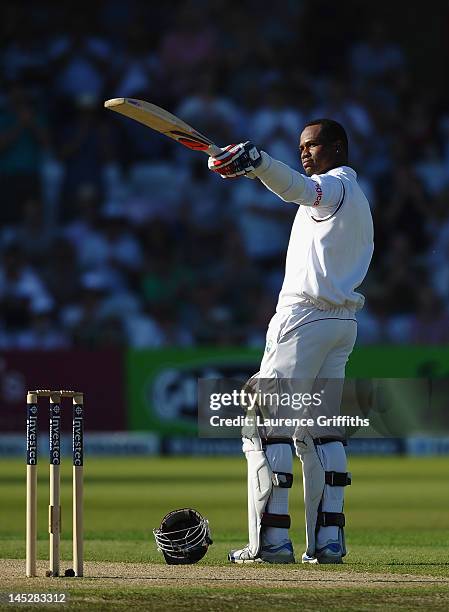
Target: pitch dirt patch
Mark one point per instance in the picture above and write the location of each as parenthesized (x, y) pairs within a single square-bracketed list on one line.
[(106, 574)]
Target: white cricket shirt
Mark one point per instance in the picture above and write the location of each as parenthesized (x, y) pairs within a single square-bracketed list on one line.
[(331, 241)]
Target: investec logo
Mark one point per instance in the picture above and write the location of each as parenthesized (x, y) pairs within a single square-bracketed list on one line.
[(55, 438), (78, 441), (32, 437)]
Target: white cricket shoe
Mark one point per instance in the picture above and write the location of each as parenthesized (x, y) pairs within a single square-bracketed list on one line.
[(242, 555)]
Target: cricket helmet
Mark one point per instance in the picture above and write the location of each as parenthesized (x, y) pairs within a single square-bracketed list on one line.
[(183, 537)]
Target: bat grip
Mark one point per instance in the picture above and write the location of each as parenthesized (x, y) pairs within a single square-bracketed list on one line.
[(213, 150)]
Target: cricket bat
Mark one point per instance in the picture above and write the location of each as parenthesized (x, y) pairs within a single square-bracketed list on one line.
[(164, 122)]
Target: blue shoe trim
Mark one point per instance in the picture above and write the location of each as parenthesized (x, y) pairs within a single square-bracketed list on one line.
[(273, 549), (333, 547)]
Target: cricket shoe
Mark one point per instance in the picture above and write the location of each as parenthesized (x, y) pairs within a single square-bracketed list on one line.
[(278, 553), (282, 553), (331, 553), (243, 555)]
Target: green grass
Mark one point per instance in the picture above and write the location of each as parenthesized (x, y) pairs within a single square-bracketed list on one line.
[(260, 599), (396, 512)]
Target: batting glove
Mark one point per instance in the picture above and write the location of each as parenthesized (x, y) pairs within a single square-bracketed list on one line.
[(236, 160)]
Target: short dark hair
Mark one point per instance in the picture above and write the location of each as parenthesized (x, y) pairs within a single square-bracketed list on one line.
[(331, 131)]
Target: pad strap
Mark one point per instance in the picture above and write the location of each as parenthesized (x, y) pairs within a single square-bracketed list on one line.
[(269, 441), (337, 479), (283, 480), (318, 441), (276, 520), (330, 519)]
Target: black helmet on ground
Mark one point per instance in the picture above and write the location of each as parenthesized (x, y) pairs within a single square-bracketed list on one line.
[(183, 537)]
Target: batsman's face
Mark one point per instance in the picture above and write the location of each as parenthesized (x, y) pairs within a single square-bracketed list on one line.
[(317, 156)]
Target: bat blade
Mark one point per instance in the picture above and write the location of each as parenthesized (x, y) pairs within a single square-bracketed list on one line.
[(164, 122)]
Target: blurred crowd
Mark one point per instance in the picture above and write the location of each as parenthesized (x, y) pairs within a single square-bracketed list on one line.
[(111, 235)]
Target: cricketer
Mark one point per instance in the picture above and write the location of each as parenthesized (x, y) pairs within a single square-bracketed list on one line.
[(310, 336)]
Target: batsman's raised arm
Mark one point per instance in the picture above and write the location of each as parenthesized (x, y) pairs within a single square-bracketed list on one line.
[(245, 159), (292, 186), (320, 152)]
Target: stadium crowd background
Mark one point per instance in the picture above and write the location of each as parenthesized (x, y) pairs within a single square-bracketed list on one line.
[(113, 236)]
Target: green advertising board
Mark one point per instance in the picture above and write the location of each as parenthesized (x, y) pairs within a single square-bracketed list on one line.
[(399, 362), (162, 385)]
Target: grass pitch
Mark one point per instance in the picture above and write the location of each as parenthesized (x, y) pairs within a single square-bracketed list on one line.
[(397, 533)]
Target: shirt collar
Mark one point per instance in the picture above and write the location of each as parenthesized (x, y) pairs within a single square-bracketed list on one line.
[(342, 170)]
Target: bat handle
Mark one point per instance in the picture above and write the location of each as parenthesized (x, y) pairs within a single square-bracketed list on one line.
[(213, 150)]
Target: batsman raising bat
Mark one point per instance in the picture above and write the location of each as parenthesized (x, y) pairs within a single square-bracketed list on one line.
[(312, 333), (310, 336)]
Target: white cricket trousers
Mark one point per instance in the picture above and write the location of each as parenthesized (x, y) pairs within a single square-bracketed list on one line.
[(310, 347), (308, 343)]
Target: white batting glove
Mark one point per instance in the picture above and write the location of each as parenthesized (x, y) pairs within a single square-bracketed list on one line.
[(236, 160)]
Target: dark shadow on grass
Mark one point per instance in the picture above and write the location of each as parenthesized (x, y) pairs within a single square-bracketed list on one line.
[(295, 580)]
